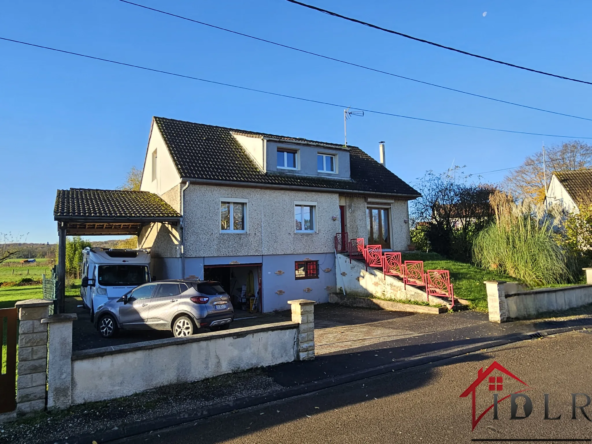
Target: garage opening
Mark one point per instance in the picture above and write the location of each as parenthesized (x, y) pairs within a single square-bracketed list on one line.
[(242, 282)]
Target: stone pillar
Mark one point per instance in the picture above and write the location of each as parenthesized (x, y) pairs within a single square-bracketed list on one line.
[(59, 369), (496, 301), (303, 314), (32, 355), (588, 275)]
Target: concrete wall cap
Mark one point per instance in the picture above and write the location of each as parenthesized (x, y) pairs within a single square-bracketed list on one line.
[(32, 303), (64, 317), (494, 282), (168, 342), (301, 302), (587, 268)]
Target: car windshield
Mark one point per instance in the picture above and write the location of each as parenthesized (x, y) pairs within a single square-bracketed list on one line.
[(210, 289), (123, 275)]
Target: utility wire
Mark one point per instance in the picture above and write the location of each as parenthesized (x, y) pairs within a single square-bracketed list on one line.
[(345, 62), (320, 102), (438, 45)]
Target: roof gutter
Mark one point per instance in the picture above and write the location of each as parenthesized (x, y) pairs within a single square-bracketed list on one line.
[(296, 188)]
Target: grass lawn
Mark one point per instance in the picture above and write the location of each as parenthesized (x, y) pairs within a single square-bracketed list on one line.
[(9, 296), (467, 279), (15, 273)]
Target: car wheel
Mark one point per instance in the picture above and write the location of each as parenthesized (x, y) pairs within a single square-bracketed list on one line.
[(107, 326), (183, 326)]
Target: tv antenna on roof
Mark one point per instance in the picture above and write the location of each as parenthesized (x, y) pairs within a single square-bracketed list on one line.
[(346, 115)]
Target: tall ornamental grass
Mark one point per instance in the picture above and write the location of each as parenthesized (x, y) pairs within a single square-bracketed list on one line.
[(521, 243)]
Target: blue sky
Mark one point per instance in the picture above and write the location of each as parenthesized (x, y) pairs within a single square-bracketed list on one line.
[(70, 122)]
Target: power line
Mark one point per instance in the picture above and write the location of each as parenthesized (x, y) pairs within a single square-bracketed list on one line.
[(287, 96), (507, 102), (438, 45)]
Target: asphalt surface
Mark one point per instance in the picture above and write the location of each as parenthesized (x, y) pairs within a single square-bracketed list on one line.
[(421, 404)]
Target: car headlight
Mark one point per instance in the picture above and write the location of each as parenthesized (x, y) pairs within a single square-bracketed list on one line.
[(102, 291)]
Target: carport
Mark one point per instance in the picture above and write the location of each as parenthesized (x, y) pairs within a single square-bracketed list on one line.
[(86, 212)]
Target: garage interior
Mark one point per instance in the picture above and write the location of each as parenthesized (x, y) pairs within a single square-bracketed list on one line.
[(242, 282)]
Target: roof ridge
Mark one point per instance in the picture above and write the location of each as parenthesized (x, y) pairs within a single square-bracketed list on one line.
[(258, 133), (110, 191)]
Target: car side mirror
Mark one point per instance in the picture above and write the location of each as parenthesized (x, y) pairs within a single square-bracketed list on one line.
[(124, 299), (86, 282)]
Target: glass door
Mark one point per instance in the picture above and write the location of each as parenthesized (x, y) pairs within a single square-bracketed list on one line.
[(378, 227)]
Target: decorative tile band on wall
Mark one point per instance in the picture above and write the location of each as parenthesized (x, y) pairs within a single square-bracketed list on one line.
[(280, 292), (279, 272), (307, 290), (343, 273), (234, 262), (327, 270)]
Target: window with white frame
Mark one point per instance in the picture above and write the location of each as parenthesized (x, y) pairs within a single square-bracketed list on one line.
[(233, 216), (287, 159), (305, 217), (325, 163)]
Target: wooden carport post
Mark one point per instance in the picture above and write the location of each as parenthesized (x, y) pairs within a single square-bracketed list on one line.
[(61, 290)]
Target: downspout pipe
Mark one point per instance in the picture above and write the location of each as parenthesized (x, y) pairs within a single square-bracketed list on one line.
[(182, 223)]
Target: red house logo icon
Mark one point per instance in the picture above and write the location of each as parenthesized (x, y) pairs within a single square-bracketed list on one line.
[(495, 384)]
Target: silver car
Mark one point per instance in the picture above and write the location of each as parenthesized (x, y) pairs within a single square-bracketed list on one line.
[(181, 306)]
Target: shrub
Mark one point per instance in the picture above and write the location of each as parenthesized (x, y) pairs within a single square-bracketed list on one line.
[(521, 243)]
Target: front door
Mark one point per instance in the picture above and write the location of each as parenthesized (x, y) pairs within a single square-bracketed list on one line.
[(134, 314), (378, 227)]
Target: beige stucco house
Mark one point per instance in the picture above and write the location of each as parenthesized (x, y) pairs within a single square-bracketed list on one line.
[(260, 212)]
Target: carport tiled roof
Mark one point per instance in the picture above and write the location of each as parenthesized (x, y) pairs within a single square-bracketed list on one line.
[(113, 204), (578, 184), (206, 152)]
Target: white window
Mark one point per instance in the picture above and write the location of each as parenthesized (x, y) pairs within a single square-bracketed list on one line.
[(305, 214), (233, 216), (287, 159), (154, 164), (326, 163)]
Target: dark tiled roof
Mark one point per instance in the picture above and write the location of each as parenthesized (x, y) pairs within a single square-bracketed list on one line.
[(209, 152), (578, 184), (116, 204)]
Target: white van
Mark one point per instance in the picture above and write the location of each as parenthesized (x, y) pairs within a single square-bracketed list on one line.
[(109, 273)]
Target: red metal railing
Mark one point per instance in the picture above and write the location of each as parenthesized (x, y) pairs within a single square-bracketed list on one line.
[(438, 284), (392, 265), (373, 256), (356, 249), (414, 274), (341, 242)]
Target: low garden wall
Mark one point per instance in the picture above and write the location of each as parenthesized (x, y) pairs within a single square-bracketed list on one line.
[(113, 372), (58, 378), (508, 300)]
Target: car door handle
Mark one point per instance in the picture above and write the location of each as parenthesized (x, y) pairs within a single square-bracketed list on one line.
[(173, 300)]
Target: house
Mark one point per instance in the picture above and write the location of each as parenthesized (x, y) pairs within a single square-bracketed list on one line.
[(257, 212), (570, 189)]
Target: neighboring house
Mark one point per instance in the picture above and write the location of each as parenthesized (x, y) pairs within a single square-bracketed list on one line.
[(260, 212), (570, 189)]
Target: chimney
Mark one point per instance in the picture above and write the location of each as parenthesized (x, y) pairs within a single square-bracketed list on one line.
[(382, 154)]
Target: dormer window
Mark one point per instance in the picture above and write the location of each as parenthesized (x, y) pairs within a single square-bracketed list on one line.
[(287, 159), (325, 163)]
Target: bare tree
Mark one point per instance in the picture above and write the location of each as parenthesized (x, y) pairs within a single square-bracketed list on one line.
[(133, 181), (528, 181), (8, 247)]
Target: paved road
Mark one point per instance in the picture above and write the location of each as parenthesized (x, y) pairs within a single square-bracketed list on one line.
[(419, 405)]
